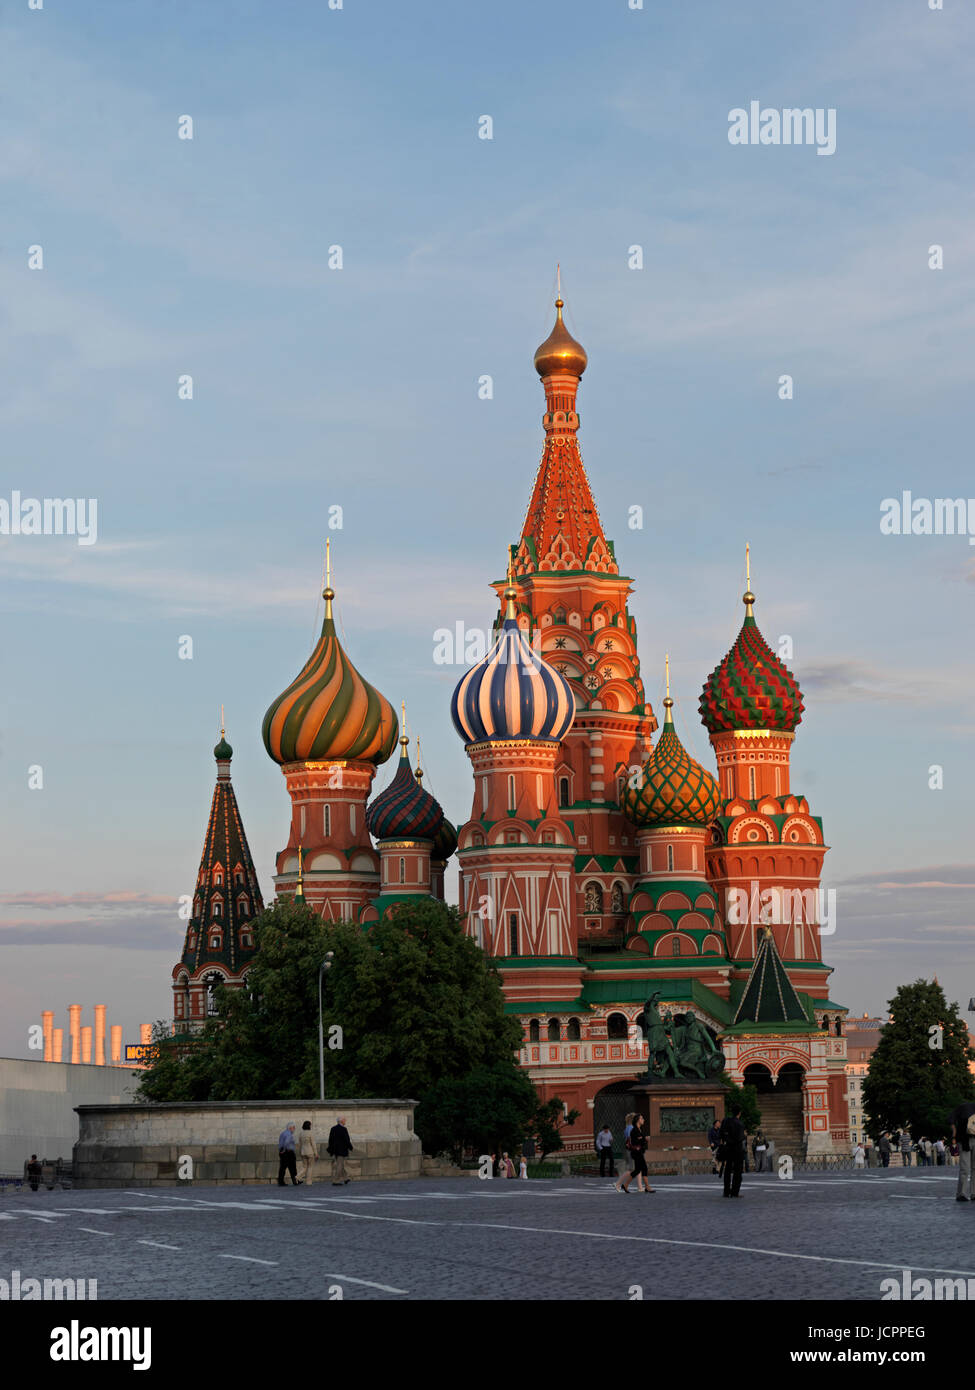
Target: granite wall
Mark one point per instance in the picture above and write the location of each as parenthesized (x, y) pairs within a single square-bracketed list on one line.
[(236, 1141)]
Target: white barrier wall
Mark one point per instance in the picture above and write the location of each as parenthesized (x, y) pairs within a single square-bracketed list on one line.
[(38, 1101)]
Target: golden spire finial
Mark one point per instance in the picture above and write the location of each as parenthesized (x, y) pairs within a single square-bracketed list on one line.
[(748, 598), (668, 702), (403, 740), (223, 727), (300, 888), (328, 593), (510, 592), (419, 770), (558, 279)]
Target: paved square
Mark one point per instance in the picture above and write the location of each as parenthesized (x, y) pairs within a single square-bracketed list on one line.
[(815, 1236)]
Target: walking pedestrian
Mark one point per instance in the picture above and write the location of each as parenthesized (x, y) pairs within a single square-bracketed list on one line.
[(604, 1147), (713, 1138), (34, 1171), (732, 1149), (954, 1153), (859, 1157), (523, 1167), (883, 1144), (905, 1147), (507, 1167), (963, 1132), (307, 1152), (288, 1161), (339, 1147), (939, 1151), (638, 1147)]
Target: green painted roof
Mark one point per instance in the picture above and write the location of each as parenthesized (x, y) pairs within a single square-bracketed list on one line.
[(769, 995)]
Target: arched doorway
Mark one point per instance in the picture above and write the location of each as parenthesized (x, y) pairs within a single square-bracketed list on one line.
[(789, 1078), (611, 1106), (758, 1075)]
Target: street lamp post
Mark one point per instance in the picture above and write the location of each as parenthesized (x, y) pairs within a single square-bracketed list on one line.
[(325, 965)]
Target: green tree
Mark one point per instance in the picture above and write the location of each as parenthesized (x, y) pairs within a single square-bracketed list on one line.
[(490, 1110), (919, 1071), (547, 1124), (747, 1098), (406, 1003)]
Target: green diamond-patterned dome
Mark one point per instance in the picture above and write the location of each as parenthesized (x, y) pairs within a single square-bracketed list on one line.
[(675, 789)]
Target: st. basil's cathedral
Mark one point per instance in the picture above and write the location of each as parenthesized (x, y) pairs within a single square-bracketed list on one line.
[(596, 866)]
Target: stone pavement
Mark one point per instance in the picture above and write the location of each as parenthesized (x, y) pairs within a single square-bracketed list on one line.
[(812, 1237)]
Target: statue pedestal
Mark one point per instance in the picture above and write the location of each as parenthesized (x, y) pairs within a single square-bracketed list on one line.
[(678, 1113)]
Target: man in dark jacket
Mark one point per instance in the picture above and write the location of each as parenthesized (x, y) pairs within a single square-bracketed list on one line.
[(731, 1148), (883, 1144), (339, 1146)]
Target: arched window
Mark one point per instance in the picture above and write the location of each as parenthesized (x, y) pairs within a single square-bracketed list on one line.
[(559, 617), (564, 791), (513, 934), (778, 781), (533, 1031), (617, 902), (670, 858), (302, 822), (617, 1026), (574, 1032), (239, 878), (554, 1032), (212, 982), (594, 897), (751, 784), (402, 870), (327, 820), (218, 877), (511, 791), (675, 946), (218, 908), (352, 819)]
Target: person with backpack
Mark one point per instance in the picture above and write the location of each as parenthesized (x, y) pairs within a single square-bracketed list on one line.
[(963, 1132)]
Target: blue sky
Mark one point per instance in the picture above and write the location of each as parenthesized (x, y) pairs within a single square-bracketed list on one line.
[(358, 387)]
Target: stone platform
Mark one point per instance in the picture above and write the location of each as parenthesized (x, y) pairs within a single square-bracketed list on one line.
[(236, 1141)]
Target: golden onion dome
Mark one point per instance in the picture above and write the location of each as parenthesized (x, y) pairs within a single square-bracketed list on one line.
[(560, 352)]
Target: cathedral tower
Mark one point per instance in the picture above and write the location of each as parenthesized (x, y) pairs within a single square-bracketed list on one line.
[(328, 732), (516, 853), (767, 850), (219, 942), (572, 605)]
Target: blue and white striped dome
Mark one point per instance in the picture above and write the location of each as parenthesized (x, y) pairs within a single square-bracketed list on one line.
[(513, 692)]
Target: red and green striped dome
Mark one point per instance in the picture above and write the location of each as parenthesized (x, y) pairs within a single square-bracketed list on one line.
[(675, 789), (751, 688), (329, 713)]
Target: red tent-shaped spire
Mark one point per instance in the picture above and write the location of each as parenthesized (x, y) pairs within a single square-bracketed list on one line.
[(562, 530)]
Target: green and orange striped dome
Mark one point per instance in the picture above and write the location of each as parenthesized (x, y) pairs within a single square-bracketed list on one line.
[(675, 790), (329, 713)]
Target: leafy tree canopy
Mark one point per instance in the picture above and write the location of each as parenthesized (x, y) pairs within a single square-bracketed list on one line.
[(919, 1071), (409, 1005)]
